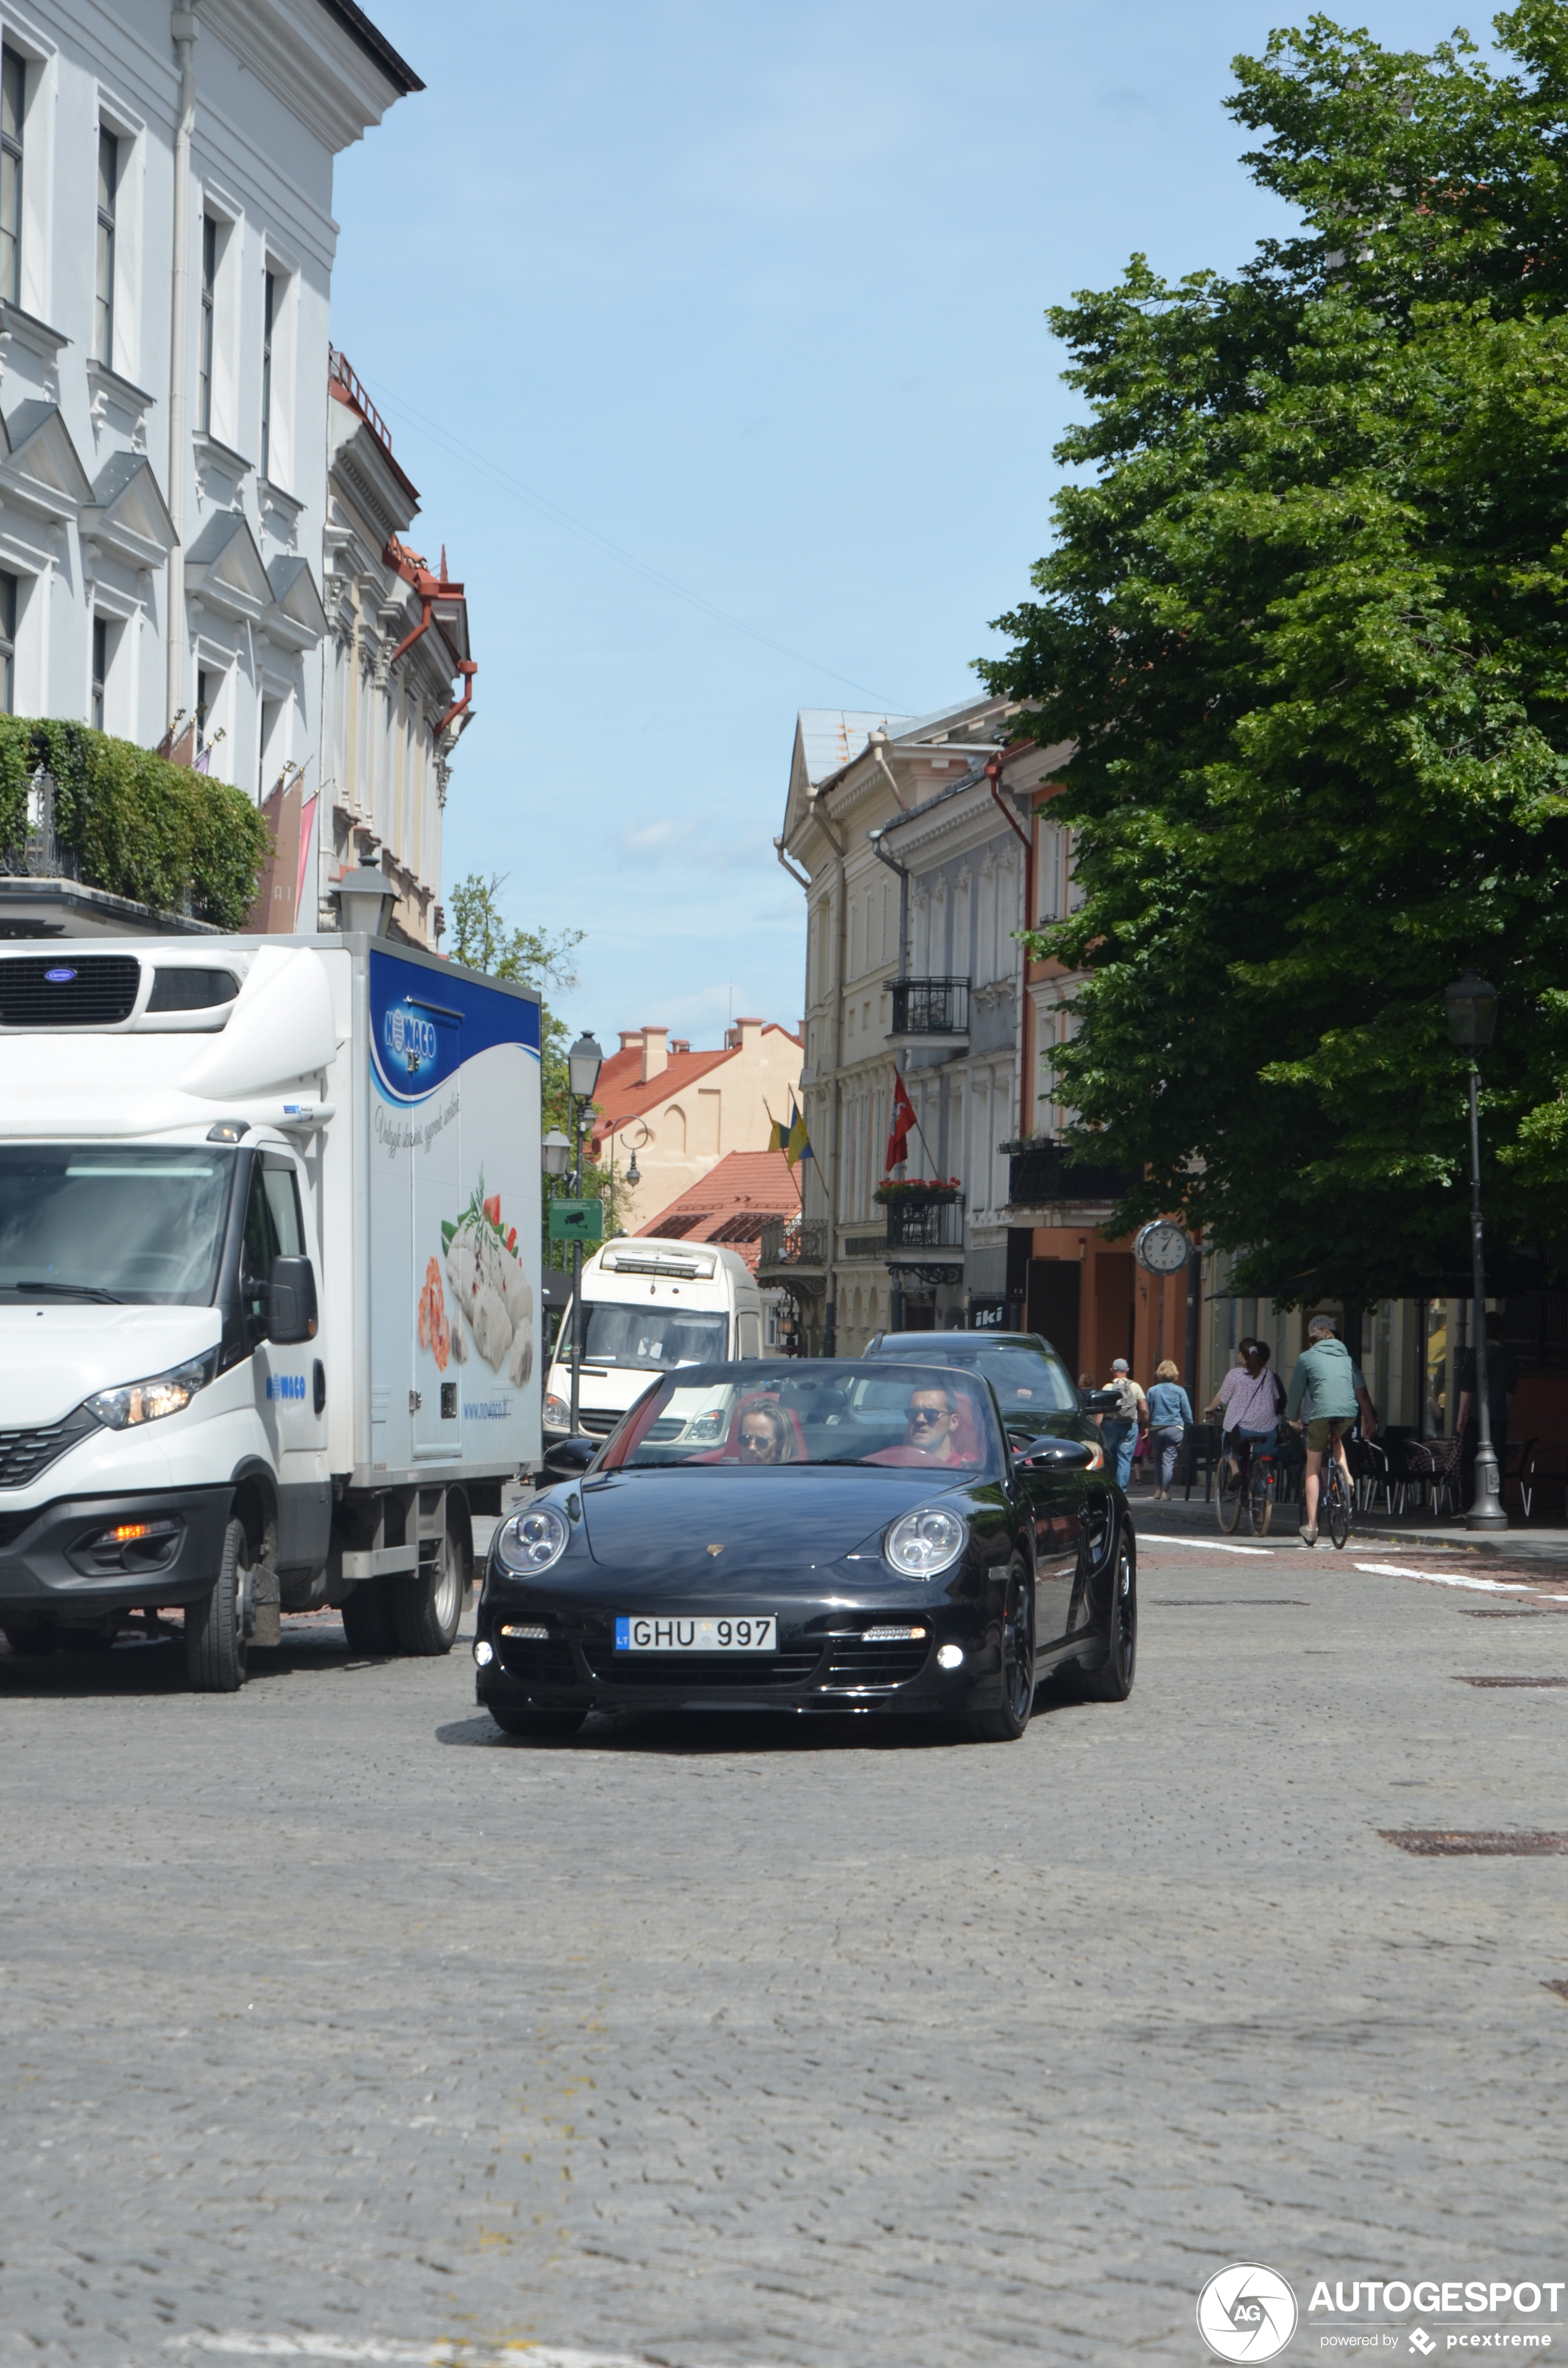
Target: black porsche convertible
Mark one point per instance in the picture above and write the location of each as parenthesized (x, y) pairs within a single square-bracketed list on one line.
[(815, 1535)]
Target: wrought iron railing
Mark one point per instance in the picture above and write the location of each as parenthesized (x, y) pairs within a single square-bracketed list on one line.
[(39, 855), (794, 1242), (936, 1225), (930, 1006), (1039, 1172)]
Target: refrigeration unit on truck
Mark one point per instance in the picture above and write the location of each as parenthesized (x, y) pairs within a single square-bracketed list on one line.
[(648, 1305), (269, 1224)]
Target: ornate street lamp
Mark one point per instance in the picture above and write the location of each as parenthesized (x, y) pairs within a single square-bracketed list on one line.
[(1471, 1007), (555, 1153)]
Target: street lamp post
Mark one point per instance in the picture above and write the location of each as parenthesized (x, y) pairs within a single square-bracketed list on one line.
[(555, 1156), (1472, 1008), (583, 1064)]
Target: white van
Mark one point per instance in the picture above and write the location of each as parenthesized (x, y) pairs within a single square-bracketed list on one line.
[(648, 1305)]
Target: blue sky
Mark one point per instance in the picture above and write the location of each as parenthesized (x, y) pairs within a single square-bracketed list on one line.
[(713, 338)]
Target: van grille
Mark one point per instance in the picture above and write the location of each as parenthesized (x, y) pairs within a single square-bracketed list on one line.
[(61, 990), (25, 1453)]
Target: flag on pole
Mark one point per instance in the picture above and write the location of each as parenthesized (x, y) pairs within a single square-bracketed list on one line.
[(902, 1120), (797, 1142)]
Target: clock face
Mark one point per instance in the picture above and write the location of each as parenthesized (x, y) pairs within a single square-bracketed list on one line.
[(1162, 1248)]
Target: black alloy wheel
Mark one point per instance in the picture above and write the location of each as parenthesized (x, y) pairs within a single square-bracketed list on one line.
[(1227, 1494), (1007, 1724), (1112, 1681), (542, 1726)]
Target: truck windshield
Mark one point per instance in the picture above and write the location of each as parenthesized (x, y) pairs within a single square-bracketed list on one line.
[(91, 1221), (649, 1339)]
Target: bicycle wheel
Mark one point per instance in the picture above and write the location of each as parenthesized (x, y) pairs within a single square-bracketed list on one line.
[(1228, 1495), (1261, 1496), (1338, 1494)]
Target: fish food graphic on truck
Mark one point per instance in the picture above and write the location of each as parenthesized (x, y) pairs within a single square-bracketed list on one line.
[(492, 1300), (258, 1198)]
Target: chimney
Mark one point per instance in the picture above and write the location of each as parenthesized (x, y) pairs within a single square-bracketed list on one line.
[(680, 1043), (655, 1055), (631, 1040), (748, 1034)]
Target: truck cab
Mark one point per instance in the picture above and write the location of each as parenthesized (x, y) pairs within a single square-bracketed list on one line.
[(648, 1305)]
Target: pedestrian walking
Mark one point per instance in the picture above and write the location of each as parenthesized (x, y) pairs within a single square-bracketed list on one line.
[(1121, 1430), (1323, 1403), (1170, 1416)]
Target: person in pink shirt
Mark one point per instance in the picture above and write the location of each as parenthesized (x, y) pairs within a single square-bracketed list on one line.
[(1248, 1402)]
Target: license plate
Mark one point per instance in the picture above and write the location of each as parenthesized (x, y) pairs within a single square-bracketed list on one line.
[(756, 1635)]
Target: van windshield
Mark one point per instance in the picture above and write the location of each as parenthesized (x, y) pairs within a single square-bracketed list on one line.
[(649, 1339), (98, 1222)]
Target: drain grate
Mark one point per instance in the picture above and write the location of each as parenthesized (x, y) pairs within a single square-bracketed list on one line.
[(1561, 1988), (1511, 1681), (1224, 1602), (1432, 1842), (1512, 1611)]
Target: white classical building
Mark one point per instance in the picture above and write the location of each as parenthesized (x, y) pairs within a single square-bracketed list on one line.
[(167, 243)]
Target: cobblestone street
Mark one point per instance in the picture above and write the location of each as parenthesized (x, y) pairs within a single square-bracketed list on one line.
[(330, 2014)]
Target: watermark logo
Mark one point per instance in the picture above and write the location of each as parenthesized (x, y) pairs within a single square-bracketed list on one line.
[(1247, 2312), (1421, 2342)]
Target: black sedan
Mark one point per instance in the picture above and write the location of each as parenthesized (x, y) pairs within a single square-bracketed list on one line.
[(833, 1536)]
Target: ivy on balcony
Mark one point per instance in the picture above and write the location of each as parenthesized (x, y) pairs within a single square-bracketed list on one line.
[(126, 821)]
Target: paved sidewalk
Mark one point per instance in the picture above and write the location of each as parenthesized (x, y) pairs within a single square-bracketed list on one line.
[(1536, 1541)]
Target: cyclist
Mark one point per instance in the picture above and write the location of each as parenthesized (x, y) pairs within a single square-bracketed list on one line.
[(1322, 1404), (1247, 1401)]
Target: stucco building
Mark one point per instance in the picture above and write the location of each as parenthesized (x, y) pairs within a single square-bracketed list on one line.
[(675, 1113)]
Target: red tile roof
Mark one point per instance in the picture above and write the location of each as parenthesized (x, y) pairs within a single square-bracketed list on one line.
[(730, 1202), (622, 1096)]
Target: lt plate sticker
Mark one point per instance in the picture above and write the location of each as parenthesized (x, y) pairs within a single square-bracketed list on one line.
[(754, 1636)]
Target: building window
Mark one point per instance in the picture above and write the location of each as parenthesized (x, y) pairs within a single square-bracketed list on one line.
[(9, 644), (203, 705), (269, 311), (108, 189), (100, 670), (209, 291), (12, 110)]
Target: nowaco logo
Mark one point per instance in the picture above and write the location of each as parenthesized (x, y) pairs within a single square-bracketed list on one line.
[(1247, 2312), (286, 1386), (409, 1038)]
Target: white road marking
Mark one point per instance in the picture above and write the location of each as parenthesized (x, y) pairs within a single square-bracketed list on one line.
[(375, 2350), (1445, 1578), (1200, 1545)]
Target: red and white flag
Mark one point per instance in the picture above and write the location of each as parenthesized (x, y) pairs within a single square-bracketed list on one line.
[(902, 1120)]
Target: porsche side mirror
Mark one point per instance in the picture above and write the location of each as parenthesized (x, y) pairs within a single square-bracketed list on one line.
[(569, 1457), (1099, 1401), (1054, 1454)]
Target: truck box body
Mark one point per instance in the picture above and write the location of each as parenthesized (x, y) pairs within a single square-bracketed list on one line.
[(152, 1086)]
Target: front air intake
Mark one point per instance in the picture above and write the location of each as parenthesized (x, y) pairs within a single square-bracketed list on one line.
[(62, 990)]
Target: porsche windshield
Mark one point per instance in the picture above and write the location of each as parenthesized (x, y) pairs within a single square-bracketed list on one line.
[(761, 1418), (81, 1221)]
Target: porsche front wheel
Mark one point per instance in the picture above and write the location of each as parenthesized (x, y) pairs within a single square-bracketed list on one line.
[(1007, 1722)]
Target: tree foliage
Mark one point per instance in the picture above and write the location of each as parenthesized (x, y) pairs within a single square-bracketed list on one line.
[(1305, 622), (164, 834)]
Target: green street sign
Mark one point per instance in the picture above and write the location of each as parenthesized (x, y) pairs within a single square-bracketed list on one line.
[(577, 1221)]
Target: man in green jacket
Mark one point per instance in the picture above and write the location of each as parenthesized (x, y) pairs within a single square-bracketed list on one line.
[(1323, 1403)]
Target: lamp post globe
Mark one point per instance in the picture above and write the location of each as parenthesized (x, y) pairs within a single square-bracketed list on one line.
[(583, 1063), (555, 1153), (1471, 1004)]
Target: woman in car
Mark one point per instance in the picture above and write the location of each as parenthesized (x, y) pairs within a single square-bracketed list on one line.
[(763, 1436)]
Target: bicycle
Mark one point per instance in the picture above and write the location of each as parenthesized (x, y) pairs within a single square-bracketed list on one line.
[(1335, 1501)]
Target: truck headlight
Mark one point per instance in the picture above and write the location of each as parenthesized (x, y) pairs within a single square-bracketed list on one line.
[(531, 1540), (923, 1544), (149, 1401), (557, 1413)]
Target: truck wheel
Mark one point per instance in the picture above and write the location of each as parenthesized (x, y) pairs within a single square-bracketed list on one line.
[(366, 1617), (428, 1603), (217, 1629)]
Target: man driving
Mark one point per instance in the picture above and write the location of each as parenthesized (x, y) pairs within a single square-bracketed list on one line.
[(928, 1425)]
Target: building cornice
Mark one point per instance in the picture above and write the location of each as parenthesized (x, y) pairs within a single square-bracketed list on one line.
[(318, 63)]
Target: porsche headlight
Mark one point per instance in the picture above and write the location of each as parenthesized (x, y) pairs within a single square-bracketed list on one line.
[(531, 1540), (923, 1544), (149, 1401)]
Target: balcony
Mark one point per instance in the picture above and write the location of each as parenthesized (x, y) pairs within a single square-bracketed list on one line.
[(926, 1239), (930, 1014), (793, 1256), (1040, 1174)]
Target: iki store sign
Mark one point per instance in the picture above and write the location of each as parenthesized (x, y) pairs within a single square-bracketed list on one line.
[(1249, 2312)]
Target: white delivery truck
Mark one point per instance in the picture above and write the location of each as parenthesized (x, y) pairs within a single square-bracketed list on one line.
[(269, 1224), (648, 1305)]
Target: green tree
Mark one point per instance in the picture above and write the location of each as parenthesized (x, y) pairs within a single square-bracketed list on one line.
[(1305, 623), (482, 940)]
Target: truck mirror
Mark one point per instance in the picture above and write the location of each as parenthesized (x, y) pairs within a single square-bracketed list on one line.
[(291, 1301)]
